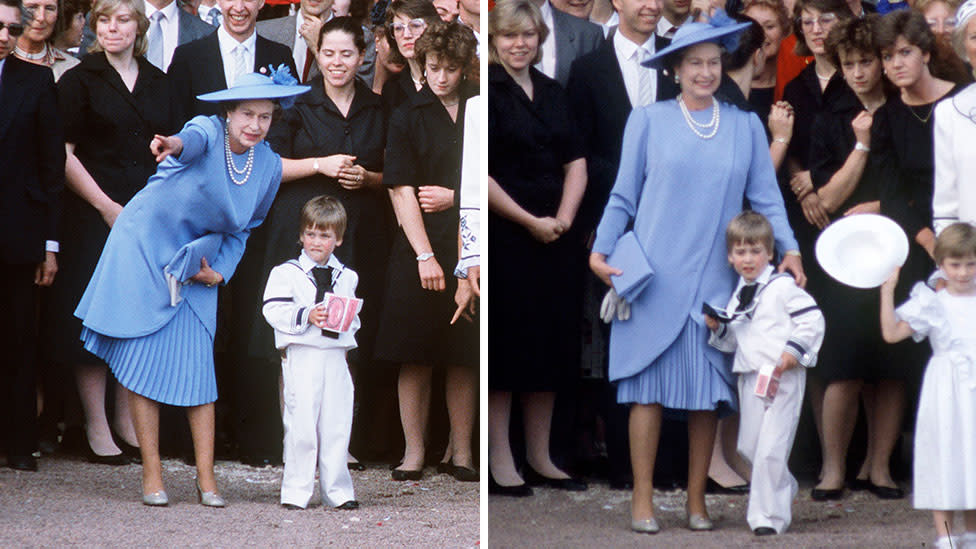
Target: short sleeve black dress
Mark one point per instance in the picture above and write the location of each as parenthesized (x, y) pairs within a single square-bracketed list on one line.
[(111, 128), (314, 127), (424, 148), (534, 326)]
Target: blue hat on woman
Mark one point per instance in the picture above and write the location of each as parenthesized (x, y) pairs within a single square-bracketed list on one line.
[(721, 29), (280, 84)]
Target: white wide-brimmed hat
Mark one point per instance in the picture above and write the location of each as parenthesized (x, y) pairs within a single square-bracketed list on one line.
[(862, 250)]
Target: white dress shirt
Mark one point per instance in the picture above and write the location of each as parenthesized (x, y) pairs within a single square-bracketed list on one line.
[(629, 57), (548, 63), (663, 26), (612, 22), (784, 319), (227, 54), (300, 48), (204, 12), (171, 29)]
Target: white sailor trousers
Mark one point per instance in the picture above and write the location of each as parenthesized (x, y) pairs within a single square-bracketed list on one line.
[(766, 434), (317, 418)]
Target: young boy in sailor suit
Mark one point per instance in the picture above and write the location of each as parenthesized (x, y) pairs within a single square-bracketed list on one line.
[(769, 321), (318, 390)]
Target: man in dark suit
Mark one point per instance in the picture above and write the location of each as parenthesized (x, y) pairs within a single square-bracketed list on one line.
[(569, 38), (214, 61), (32, 166), (604, 86), (187, 29)]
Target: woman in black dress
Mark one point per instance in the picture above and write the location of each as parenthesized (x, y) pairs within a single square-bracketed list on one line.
[(537, 175), (406, 22), (423, 169), (335, 135), (113, 104)]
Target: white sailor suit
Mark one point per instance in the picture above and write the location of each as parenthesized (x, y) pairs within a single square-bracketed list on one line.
[(318, 390), (782, 317)]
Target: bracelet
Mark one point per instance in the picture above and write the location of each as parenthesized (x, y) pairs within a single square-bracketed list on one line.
[(315, 165), (782, 140), (861, 147), (425, 256), (795, 253)]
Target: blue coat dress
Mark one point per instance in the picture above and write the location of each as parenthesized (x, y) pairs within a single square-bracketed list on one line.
[(680, 191), (188, 209)]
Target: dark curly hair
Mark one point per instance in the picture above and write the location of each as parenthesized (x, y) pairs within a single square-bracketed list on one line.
[(850, 35), (414, 9), (451, 42)]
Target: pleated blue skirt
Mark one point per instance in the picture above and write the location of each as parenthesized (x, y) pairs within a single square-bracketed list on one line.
[(173, 365), (682, 378)]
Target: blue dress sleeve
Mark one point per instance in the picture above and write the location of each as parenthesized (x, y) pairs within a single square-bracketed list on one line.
[(625, 196), (195, 135), (763, 191)]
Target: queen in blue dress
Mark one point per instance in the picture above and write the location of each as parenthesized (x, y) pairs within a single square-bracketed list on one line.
[(149, 310), (686, 166)]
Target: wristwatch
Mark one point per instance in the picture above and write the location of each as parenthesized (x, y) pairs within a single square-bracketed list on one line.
[(425, 256), (861, 147), (315, 165)]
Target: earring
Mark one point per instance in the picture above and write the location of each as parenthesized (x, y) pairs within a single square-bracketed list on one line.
[(677, 80)]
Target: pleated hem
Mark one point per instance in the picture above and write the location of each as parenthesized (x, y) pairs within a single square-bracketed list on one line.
[(173, 365)]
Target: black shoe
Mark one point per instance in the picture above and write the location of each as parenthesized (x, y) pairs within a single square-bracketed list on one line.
[(117, 459), (395, 465), (404, 474), (621, 484), (886, 492), (355, 466), (818, 494), (445, 468), (292, 507), (464, 474), (517, 491), (859, 484), (533, 478), (349, 505), (128, 450), (712, 487), (764, 531), (22, 463)]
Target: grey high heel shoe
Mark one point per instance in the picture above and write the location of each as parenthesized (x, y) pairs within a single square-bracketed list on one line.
[(156, 499), (209, 499)]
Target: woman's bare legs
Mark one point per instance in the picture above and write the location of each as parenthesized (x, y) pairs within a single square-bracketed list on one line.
[(91, 380), (537, 415), (201, 420), (868, 400), (889, 405), (462, 397), (145, 417), (943, 523), (726, 467), (701, 438), (644, 428), (123, 417), (500, 461), (413, 390), (839, 415)]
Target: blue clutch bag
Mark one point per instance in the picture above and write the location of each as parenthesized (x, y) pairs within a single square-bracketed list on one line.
[(629, 257)]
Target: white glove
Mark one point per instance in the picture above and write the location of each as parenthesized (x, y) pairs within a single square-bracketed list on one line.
[(614, 305)]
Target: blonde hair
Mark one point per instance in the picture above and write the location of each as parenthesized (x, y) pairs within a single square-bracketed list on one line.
[(955, 241), (324, 212), (749, 227), (108, 7), (514, 15)]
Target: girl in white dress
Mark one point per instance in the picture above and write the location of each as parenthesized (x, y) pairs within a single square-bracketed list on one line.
[(945, 434)]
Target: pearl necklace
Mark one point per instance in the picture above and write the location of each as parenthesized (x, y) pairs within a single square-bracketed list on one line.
[(31, 56), (232, 169), (694, 124)]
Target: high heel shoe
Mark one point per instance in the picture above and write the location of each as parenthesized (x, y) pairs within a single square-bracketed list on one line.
[(534, 478), (209, 499), (517, 491), (406, 474), (156, 499), (117, 459), (128, 450)]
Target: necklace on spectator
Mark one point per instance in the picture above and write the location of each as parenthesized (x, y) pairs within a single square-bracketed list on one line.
[(694, 124), (923, 120), (31, 56), (822, 78), (232, 168)]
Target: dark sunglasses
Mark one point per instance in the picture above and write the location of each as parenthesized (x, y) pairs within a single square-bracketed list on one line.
[(15, 29)]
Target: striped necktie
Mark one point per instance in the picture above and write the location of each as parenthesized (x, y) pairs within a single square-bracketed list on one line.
[(643, 79)]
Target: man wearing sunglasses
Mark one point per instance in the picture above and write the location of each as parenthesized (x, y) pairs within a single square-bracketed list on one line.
[(31, 179)]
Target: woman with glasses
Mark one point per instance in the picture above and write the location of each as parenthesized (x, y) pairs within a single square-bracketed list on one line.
[(941, 17), (406, 21)]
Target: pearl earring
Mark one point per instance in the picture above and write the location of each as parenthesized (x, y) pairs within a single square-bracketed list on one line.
[(677, 79)]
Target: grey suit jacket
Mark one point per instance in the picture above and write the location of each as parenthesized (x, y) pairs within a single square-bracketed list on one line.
[(282, 31), (574, 38), (190, 28)]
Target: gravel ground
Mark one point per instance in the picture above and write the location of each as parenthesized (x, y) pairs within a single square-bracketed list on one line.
[(71, 503), (600, 517)]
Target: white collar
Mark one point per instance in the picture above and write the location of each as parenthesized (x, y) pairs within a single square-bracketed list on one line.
[(546, 10), (228, 42), (307, 264), (169, 11), (762, 279), (627, 48)]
